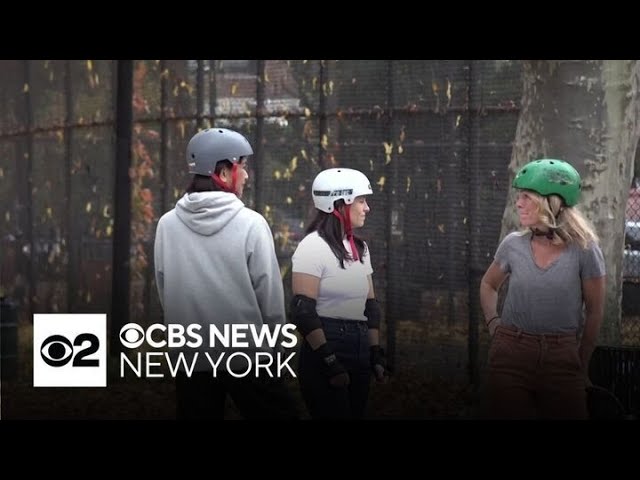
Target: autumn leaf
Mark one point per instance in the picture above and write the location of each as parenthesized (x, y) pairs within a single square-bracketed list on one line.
[(388, 150)]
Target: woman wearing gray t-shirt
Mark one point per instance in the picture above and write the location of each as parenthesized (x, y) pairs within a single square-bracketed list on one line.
[(546, 332)]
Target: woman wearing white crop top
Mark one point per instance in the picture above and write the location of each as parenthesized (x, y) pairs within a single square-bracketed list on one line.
[(334, 305)]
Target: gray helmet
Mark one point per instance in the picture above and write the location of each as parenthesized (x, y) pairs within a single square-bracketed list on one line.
[(207, 147)]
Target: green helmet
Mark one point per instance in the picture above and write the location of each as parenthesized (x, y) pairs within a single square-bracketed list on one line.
[(547, 176)]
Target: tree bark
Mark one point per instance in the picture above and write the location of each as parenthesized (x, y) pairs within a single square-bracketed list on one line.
[(587, 113)]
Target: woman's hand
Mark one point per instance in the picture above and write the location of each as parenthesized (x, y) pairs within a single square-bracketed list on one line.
[(493, 324)]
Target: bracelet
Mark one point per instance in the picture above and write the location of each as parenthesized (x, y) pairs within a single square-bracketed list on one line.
[(492, 319)]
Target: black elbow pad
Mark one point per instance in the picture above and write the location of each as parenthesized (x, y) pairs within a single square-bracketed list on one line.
[(304, 314), (373, 313)]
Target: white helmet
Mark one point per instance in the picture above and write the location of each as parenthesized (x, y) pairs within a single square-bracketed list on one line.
[(338, 184)]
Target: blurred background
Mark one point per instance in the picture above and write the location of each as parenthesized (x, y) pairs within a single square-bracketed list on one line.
[(92, 154)]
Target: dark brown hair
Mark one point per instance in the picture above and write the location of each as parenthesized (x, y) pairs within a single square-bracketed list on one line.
[(330, 229)]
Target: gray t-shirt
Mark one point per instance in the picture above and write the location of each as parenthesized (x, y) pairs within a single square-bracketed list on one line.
[(546, 300)]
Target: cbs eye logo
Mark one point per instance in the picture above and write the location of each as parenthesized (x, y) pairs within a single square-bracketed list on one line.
[(132, 335), (57, 350), (69, 350)]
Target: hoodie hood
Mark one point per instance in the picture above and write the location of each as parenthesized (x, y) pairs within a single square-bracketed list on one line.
[(207, 213)]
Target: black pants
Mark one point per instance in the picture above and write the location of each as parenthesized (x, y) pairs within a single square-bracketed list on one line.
[(203, 397), (350, 343)]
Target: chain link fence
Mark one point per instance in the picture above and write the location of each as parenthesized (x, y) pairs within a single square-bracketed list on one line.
[(434, 137), (631, 269)]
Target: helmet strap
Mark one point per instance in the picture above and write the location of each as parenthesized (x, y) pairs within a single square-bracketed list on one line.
[(345, 220)]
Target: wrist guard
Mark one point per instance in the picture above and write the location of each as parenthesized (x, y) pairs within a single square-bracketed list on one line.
[(376, 356), (331, 366)]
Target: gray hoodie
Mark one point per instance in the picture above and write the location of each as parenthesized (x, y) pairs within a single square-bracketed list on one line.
[(215, 262)]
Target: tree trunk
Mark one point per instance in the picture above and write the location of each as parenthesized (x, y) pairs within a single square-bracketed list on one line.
[(585, 112)]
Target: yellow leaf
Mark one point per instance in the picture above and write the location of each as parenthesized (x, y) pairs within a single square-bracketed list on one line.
[(277, 174), (49, 212), (266, 77), (307, 112), (294, 164), (106, 212), (441, 227), (408, 184), (97, 78), (234, 88), (325, 141), (289, 200), (88, 207), (448, 90), (89, 65), (1, 172), (330, 87), (381, 182), (400, 149), (109, 230), (434, 87), (304, 153), (284, 269), (7, 216), (25, 88), (388, 149), (458, 118)]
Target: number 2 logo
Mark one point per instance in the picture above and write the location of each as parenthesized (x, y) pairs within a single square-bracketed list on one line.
[(57, 350)]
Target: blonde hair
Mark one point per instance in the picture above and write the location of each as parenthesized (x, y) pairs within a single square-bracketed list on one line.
[(568, 223)]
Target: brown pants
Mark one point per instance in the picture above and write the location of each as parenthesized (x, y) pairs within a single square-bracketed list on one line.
[(535, 376)]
